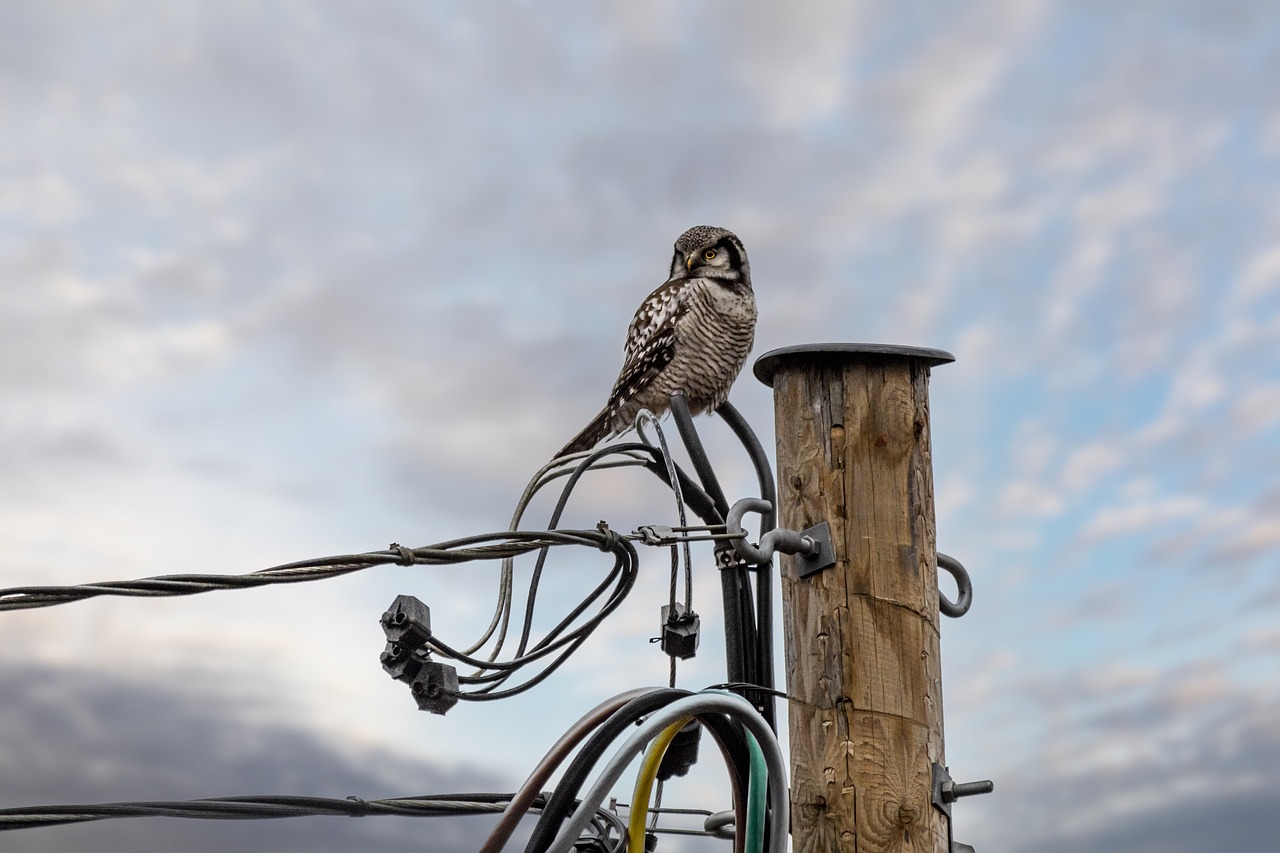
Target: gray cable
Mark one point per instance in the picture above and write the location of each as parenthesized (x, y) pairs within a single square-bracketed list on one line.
[(703, 703)]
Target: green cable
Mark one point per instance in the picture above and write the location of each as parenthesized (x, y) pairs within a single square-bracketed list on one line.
[(757, 791)]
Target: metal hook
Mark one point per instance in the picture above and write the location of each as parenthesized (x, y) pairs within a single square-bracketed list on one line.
[(964, 588), (812, 547), (787, 541)]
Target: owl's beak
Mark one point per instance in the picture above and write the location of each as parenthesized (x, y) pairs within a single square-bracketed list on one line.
[(688, 263)]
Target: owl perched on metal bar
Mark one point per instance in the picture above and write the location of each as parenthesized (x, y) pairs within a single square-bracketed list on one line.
[(689, 336)]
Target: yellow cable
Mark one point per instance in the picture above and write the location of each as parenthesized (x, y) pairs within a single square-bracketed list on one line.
[(644, 783)]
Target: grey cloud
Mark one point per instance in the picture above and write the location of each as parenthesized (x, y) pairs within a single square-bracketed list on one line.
[(75, 736), (1139, 759)]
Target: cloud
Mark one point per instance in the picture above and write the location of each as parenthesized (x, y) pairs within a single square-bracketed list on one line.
[(77, 736), (1142, 758), (1259, 408), (1142, 516), (796, 59)]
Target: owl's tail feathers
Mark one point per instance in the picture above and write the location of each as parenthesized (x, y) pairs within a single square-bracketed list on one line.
[(591, 435)]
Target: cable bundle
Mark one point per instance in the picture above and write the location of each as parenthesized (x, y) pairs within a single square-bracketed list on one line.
[(752, 756)]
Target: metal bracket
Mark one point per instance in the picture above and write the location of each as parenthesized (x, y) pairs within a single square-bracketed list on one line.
[(812, 548), (946, 791), (825, 558)]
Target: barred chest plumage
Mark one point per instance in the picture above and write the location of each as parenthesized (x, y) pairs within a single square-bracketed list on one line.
[(713, 337)]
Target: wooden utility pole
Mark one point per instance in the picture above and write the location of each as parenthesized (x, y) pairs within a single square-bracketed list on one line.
[(862, 646)]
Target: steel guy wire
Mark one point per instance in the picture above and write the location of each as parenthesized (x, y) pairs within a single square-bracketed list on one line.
[(275, 807), (641, 417), (466, 549)]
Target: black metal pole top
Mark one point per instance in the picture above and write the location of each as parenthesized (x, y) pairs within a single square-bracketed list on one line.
[(768, 364)]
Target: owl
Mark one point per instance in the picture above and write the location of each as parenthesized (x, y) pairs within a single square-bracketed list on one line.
[(691, 336)]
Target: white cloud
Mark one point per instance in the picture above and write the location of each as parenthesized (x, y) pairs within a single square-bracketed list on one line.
[(795, 58), (1260, 536), (1116, 206), (1025, 499), (43, 198), (1261, 273), (1259, 408), (1141, 517), (1086, 465)]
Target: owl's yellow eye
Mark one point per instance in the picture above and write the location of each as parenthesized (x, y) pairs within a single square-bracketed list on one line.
[(709, 254)]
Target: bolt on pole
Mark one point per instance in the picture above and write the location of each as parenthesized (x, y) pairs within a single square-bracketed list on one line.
[(862, 646)]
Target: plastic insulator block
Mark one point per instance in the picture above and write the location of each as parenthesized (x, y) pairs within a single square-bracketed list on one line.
[(407, 622), (435, 687), (680, 631), (401, 662)]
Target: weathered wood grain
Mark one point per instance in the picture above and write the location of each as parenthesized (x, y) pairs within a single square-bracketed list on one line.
[(862, 645)]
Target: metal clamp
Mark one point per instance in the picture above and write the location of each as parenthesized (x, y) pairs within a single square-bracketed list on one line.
[(964, 588), (812, 547)]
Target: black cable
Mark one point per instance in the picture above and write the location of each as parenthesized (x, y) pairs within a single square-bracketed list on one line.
[(739, 621), (535, 579), (582, 467), (697, 454), (553, 641), (694, 497), (764, 572), (575, 776), (728, 734), (489, 696), (575, 639), (628, 568), (698, 500), (759, 461), (742, 646)]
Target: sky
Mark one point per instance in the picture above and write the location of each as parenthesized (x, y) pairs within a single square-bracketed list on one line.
[(295, 279)]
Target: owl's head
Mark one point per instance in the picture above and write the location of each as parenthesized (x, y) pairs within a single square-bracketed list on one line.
[(709, 252)]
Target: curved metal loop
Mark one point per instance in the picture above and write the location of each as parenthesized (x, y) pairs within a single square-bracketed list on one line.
[(720, 824), (778, 539), (733, 524), (964, 588)]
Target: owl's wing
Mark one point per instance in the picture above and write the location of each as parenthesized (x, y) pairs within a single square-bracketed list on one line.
[(651, 338)]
